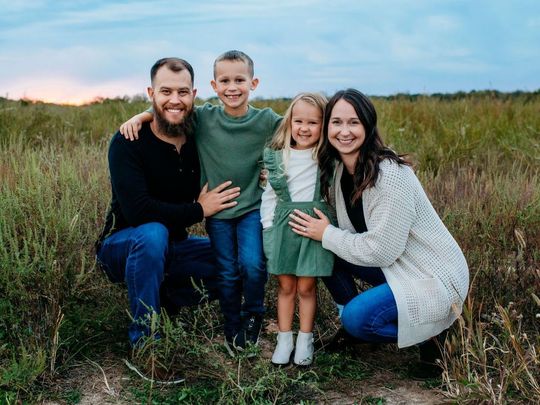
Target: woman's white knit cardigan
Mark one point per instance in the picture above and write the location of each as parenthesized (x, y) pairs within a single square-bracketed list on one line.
[(422, 263)]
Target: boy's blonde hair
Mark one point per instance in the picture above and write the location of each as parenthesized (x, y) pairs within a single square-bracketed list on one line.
[(283, 137)]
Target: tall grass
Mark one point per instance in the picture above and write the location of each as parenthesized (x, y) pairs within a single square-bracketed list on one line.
[(478, 158)]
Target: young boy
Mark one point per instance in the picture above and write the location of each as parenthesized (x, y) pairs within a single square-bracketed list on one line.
[(230, 140)]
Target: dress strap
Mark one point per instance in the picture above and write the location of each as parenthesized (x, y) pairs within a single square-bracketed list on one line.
[(317, 194), (273, 161)]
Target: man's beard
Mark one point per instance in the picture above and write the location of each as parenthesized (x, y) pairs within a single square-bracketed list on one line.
[(173, 130)]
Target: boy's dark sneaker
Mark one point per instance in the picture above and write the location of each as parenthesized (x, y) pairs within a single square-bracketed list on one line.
[(236, 343), (252, 328)]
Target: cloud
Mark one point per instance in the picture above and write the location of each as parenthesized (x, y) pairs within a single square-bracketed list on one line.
[(442, 23), (62, 89), (381, 47), (533, 22)]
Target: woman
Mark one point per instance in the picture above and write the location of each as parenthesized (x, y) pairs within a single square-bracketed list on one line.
[(389, 235)]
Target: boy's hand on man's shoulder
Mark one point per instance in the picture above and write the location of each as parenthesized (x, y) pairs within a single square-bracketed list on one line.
[(130, 129)]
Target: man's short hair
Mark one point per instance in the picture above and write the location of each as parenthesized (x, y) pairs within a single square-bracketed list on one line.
[(174, 64), (235, 56)]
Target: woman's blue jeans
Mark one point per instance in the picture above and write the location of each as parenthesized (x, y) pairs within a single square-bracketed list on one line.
[(371, 315), (143, 257), (237, 244)]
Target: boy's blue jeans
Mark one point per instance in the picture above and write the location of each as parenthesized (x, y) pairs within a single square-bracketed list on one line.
[(237, 244), (371, 315), (143, 257)]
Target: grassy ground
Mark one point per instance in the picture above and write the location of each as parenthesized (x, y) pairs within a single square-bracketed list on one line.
[(478, 157)]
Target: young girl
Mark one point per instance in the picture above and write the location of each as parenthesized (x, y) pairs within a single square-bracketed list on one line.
[(293, 183)]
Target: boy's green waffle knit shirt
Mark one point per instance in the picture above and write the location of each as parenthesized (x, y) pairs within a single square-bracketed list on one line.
[(230, 148)]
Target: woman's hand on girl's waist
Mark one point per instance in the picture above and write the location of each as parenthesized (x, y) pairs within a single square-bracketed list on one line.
[(305, 225)]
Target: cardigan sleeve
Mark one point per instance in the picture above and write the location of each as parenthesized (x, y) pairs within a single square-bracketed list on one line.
[(390, 213)]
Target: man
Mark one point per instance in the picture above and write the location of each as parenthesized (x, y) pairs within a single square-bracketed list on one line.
[(155, 197)]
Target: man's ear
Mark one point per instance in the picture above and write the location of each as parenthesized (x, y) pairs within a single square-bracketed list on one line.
[(150, 92), (254, 83), (194, 92)]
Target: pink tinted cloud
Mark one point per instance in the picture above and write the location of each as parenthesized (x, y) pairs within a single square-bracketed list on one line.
[(64, 90)]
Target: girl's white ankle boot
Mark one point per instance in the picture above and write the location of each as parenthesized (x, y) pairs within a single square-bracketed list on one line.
[(304, 349), (284, 348)]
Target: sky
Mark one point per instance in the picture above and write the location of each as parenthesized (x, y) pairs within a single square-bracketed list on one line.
[(75, 51)]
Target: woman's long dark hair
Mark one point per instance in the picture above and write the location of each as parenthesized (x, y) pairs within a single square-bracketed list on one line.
[(372, 151)]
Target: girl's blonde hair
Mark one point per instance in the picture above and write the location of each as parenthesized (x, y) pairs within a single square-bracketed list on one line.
[(283, 137)]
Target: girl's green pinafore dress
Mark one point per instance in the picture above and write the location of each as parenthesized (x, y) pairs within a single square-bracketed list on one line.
[(286, 252)]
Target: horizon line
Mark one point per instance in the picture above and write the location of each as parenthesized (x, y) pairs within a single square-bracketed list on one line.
[(141, 97)]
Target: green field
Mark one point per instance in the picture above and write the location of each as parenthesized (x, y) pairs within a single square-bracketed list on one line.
[(477, 155)]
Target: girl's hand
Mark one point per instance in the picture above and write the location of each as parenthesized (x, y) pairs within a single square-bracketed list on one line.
[(263, 178), (305, 225)]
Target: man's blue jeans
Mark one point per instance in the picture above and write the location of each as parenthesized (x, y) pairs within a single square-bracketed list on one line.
[(371, 315), (143, 257), (237, 244)]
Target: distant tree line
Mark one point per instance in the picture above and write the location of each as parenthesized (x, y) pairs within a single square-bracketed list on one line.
[(524, 96)]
